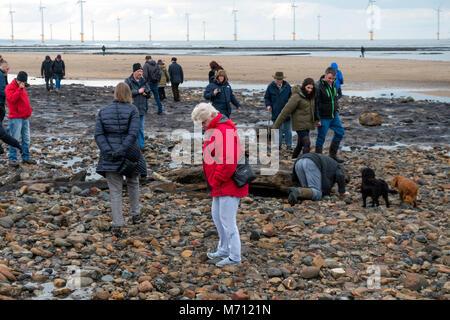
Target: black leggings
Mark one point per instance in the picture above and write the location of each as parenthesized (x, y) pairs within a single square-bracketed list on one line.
[(303, 142)]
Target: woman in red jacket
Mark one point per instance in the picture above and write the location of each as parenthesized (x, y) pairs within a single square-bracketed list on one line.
[(221, 152)]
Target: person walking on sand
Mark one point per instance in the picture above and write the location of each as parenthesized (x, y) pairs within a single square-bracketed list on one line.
[(140, 92), (47, 72), (176, 78), (339, 79), (152, 74), (221, 152), (165, 78), (103, 50), (316, 174), (214, 68), (220, 94), (116, 132), (59, 71), (328, 113), (301, 109), (363, 51), (20, 111), (277, 95)]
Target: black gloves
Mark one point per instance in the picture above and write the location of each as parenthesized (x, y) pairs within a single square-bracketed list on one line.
[(114, 156)]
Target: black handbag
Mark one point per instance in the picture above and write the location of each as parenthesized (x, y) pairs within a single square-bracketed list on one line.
[(127, 168), (243, 175)]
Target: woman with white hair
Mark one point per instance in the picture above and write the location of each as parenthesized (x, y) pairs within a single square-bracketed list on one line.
[(221, 152)]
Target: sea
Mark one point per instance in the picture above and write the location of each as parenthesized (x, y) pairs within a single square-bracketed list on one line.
[(382, 49)]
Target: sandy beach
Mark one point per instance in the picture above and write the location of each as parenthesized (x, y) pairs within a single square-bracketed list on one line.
[(359, 74)]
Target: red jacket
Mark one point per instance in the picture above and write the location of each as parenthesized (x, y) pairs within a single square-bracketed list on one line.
[(221, 152), (17, 101)]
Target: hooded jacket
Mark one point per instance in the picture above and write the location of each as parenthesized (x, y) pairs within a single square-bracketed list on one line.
[(300, 109), (221, 152), (224, 97), (339, 77), (277, 98), (59, 68), (47, 67), (3, 85), (17, 101), (139, 100), (326, 100), (165, 77), (330, 170)]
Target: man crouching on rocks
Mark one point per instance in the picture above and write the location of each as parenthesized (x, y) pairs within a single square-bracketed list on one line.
[(221, 152), (317, 174)]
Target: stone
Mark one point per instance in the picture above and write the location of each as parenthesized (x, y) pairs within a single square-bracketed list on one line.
[(145, 286), (239, 295), (274, 272), (189, 294), (61, 291), (269, 230), (59, 283), (55, 210), (41, 252), (6, 222), (290, 283), (101, 294), (107, 278), (326, 230), (255, 236), (414, 281), (310, 272), (39, 188), (58, 242), (319, 262), (186, 253), (337, 272), (370, 119)]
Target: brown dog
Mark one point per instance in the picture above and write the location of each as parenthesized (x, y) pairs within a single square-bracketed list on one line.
[(407, 189)]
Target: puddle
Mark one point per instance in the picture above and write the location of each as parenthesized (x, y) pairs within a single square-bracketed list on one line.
[(393, 147), (45, 293), (397, 93)]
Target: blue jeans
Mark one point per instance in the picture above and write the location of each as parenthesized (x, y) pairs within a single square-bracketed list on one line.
[(154, 88), (310, 176), (58, 83), (333, 124), (141, 134), (286, 130), (19, 129)]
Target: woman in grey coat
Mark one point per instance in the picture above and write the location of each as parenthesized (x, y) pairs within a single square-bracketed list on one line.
[(116, 131)]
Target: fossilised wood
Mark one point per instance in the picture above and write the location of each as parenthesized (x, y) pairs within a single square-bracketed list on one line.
[(100, 184)]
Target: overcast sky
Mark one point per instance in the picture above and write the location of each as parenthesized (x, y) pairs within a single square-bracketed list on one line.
[(396, 19)]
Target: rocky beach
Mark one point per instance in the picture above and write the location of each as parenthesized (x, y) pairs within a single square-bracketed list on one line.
[(56, 242)]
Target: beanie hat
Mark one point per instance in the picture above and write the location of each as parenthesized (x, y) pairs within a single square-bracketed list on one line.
[(136, 66), (174, 59), (58, 56), (22, 76)]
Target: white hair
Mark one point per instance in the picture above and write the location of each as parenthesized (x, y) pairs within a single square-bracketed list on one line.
[(203, 111)]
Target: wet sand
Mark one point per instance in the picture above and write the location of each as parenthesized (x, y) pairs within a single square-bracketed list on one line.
[(359, 74), (437, 93)]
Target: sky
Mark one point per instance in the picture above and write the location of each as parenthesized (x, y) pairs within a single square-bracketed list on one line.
[(340, 20)]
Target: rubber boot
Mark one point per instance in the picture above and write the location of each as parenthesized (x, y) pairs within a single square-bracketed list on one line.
[(334, 146), (306, 142), (296, 195), (319, 149)]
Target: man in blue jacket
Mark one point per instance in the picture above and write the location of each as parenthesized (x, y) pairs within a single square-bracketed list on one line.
[(276, 97), (140, 90), (220, 94), (339, 79)]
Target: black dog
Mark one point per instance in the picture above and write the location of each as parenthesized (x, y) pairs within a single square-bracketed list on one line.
[(374, 188)]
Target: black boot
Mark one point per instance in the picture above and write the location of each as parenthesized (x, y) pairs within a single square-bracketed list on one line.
[(334, 146), (297, 149), (319, 149), (306, 142)]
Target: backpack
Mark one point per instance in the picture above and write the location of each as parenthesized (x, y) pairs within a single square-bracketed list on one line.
[(155, 74)]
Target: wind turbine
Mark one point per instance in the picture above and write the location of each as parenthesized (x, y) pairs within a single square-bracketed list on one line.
[(149, 28), (234, 12), (273, 33), (204, 30), (187, 26), (82, 22), (372, 17), (293, 19), (12, 22), (438, 11), (118, 29), (93, 37), (41, 8), (318, 32)]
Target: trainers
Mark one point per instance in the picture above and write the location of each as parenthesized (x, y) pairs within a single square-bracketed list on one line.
[(227, 261), (213, 255), (29, 161), (136, 219)]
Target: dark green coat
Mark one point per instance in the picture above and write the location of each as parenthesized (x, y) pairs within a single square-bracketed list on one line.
[(300, 109)]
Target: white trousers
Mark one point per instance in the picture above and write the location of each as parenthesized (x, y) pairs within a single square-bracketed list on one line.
[(224, 211)]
